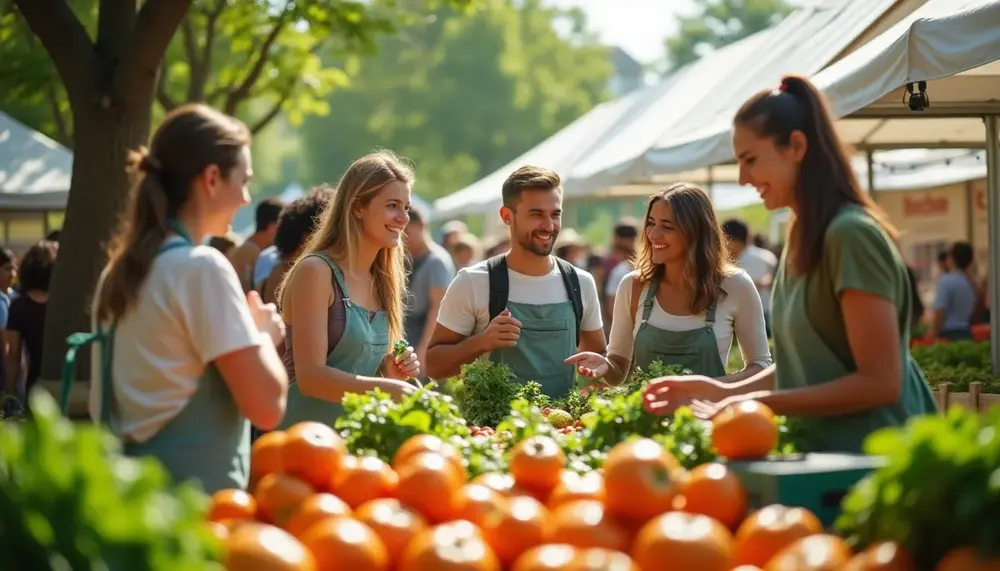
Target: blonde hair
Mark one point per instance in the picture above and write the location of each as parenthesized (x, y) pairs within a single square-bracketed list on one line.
[(337, 232), (707, 252)]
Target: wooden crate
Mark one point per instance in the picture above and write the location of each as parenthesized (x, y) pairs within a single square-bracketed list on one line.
[(975, 399)]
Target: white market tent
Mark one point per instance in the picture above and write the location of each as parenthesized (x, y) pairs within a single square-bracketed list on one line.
[(807, 41), (34, 170), (951, 48)]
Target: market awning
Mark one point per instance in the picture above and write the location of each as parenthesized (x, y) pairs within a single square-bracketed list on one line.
[(953, 45), (590, 152), (34, 170)]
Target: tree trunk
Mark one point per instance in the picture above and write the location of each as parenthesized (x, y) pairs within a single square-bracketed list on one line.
[(103, 135)]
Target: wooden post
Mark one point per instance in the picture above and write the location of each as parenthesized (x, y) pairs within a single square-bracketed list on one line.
[(975, 389)]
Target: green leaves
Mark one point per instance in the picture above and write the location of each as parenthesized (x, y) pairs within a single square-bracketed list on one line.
[(70, 500), (938, 466), (373, 424)]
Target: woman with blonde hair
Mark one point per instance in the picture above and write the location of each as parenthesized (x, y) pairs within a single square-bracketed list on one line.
[(182, 360), (342, 300), (693, 302)]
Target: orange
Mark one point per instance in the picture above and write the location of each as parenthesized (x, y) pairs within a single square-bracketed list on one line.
[(562, 557), (537, 463), (502, 483), (279, 496), (362, 479), (266, 456), (429, 484), (428, 443), (346, 544), (261, 547), (475, 502), (813, 553), (687, 541), (967, 559), (232, 504), (573, 486), (714, 490), (585, 523), (518, 526), (641, 480), (219, 530), (395, 525), (767, 531), (314, 509), (453, 546), (602, 560), (884, 556), (313, 453), (744, 431)]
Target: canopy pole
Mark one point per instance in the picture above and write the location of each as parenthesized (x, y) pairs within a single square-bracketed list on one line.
[(870, 155), (993, 220)]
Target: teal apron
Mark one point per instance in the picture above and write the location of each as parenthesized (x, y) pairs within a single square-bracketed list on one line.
[(208, 440), (363, 346), (695, 349), (548, 337)]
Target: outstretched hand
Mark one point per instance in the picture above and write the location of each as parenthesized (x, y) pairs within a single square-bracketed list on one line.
[(590, 365), (665, 395)]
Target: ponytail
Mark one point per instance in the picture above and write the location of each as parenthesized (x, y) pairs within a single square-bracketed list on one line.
[(143, 230), (826, 181)]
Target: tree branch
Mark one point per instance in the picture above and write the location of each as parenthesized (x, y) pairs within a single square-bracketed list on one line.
[(193, 59), (162, 97), (201, 65), (63, 37), (155, 25), (274, 111), (62, 129), (240, 93)]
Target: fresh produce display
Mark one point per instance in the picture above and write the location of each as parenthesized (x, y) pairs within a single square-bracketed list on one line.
[(484, 390), (589, 481), (69, 499), (939, 495)]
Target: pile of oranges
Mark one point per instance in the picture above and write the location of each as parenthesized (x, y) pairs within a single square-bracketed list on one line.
[(314, 507)]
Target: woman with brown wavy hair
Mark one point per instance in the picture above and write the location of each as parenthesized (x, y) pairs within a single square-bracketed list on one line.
[(343, 297), (842, 297), (684, 302), (182, 360)]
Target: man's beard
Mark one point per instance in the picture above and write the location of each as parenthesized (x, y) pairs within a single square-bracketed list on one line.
[(529, 244)]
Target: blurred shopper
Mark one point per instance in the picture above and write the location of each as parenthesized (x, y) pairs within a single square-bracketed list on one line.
[(759, 263)]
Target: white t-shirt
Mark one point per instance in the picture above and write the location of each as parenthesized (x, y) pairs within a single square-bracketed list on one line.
[(191, 310), (465, 308), (615, 277), (738, 312), (759, 263)]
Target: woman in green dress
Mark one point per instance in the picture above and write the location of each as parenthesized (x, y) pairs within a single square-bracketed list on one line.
[(684, 303), (842, 298), (342, 300)]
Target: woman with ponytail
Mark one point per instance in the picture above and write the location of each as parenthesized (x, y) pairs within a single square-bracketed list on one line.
[(842, 298), (182, 360), (342, 300)]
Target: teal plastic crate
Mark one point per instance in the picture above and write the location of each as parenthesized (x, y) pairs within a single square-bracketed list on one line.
[(817, 482)]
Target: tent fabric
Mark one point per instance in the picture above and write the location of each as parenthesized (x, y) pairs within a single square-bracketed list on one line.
[(952, 44), (35, 171), (597, 149)]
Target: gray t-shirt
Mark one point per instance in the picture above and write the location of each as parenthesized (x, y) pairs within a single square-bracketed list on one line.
[(957, 298), (433, 269)]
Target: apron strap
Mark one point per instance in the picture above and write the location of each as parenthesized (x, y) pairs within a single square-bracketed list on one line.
[(647, 304), (339, 287), (76, 341), (710, 315)]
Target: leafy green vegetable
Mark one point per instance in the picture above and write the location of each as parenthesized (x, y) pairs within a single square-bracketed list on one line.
[(939, 490), (485, 391), (69, 499), (373, 424), (399, 347)]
